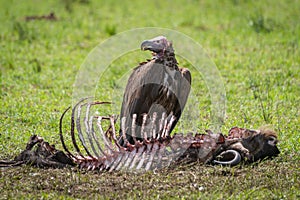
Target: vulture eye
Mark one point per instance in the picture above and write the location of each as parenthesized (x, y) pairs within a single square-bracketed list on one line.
[(272, 141)]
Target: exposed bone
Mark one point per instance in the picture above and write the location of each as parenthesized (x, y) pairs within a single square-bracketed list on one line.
[(161, 127), (157, 149), (164, 128), (142, 158), (91, 125), (236, 159), (124, 130), (153, 126), (131, 156), (107, 143), (116, 161), (61, 134), (123, 161), (140, 151), (73, 129), (151, 154), (134, 116), (79, 131), (143, 131), (114, 137), (91, 135)]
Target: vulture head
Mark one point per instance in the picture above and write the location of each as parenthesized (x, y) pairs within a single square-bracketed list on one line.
[(160, 46)]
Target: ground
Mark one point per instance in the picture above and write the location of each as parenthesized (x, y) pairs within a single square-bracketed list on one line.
[(255, 46)]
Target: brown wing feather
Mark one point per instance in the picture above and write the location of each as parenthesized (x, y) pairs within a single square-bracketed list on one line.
[(150, 89), (184, 87), (140, 93)]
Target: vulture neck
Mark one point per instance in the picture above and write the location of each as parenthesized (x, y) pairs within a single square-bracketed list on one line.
[(168, 59)]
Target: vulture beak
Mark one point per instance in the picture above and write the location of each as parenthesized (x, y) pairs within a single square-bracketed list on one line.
[(152, 45), (147, 45), (156, 45)]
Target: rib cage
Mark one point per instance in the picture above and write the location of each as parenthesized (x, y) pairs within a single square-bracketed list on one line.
[(103, 151), (98, 148)]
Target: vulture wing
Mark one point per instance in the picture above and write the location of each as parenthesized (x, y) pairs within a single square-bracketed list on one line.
[(153, 87)]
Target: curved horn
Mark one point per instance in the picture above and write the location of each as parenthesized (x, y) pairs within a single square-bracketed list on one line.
[(236, 160)]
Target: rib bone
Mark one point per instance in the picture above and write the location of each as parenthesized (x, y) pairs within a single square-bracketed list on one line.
[(155, 149)]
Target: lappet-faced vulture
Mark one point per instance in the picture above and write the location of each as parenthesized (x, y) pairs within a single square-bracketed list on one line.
[(157, 87)]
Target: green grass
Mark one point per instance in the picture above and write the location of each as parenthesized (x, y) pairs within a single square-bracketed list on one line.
[(255, 45)]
